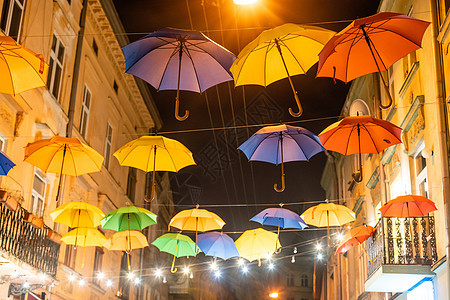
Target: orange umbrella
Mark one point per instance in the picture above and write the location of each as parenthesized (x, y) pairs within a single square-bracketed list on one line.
[(356, 237), (369, 45), (360, 134), (408, 206)]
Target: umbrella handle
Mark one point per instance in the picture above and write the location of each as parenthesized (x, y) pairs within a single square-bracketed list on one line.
[(297, 100), (152, 195), (283, 182), (372, 261), (172, 269), (359, 178), (177, 110), (259, 262)]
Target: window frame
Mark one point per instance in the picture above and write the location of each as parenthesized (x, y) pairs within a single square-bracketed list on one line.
[(54, 62), (8, 16), (35, 195), (85, 109), (98, 263), (108, 145)]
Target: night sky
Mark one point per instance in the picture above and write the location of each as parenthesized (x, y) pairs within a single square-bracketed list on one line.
[(223, 175)]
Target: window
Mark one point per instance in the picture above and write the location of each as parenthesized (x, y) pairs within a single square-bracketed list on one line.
[(2, 143), (70, 256), (290, 279), (38, 195), (115, 87), (131, 183), (108, 143), (95, 47), (98, 259), (124, 286), (55, 67), (85, 110), (12, 15), (304, 280), (420, 167)]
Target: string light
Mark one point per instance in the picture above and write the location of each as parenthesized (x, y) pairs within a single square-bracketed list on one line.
[(241, 261), (339, 236), (271, 266), (186, 270), (42, 276), (26, 284), (245, 269), (109, 283), (293, 259), (164, 280), (213, 265), (72, 278), (137, 280), (269, 255), (81, 282), (217, 273), (319, 246), (130, 276), (319, 256), (295, 250), (15, 273), (158, 273), (191, 276), (100, 275)]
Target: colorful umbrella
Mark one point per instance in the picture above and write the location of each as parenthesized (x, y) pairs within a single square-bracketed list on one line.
[(370, 44), (408, 206), (360, 134), (78, 214), (217, 244), (278, 53), (63, 155), (126, 241), (177, 244), (280, 144), (355, 237), (257, 243), (128, 218), (175, 59), (84, 237), (155, 153), (196, 220), (21, 68), (6, 164)]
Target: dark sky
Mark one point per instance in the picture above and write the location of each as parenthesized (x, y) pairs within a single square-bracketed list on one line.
[(223, 174)]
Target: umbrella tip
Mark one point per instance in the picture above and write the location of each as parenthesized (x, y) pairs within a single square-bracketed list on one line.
[(281, 204), (197, 205)]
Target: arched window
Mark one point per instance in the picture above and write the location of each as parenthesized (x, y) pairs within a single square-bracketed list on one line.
[(290, 279), (304, 280)]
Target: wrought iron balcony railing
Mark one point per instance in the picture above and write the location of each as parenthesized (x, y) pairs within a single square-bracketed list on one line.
[(407, 241), (26, 242)]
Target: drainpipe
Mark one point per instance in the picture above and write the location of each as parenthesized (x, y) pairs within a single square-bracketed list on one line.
[(442, 126)]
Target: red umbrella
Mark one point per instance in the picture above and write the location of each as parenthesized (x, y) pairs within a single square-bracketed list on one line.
[(408, 206), (356, 237)]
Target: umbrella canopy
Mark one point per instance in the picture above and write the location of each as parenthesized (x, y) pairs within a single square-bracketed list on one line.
[(63, 156), (408, 206), (128, 218), (20, 68), (85, 237), (196, 220), (280, 217), (328, 214), (126, 241), (355, 237), (370, 44), (78, 214), (155, 153), (279, 144), (217, 244), (360, 134), (257, 243), (6, 164), (177, 244), (175, 59), (278, 53)]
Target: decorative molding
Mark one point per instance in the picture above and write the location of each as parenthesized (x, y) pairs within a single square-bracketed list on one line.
[(391, 113), (374, 178), (387, 155), (412, 113), (409, 79), (358, 205)]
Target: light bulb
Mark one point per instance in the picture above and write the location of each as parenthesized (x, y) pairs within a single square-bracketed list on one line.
[(100, 275), (318, 246), (26, 285), (164, 280), (241, 261), (72, 278), (293, 259), (130, 275), (186, 270), (295, 250), (81, 282), (319, 256), (191, 276), (245, 269), (158, 272), (137, 280), (109, 283), (217, 274), (271, 266)]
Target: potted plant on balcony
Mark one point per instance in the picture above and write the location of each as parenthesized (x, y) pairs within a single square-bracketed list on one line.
[(33, 220), (8, 200), (54, 236)]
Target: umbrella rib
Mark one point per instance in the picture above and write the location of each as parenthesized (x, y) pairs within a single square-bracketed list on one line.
[(147, 52), (266, 137), (10, 74), (53, 156), (193, 66), (126, 156), (301, 149), (304, 71), (175, 51), (265, 64), (376, 148), (348, 56), (348, 141)]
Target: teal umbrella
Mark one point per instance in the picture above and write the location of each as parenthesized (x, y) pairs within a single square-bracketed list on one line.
[(177, 244), (128, 218)]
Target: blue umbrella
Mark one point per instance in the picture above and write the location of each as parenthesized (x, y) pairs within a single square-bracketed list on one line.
[(5, 164), (217, 244), (279, 144), (175, 59), (280, 217)]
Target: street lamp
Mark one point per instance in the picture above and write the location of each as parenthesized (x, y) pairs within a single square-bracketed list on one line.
[(244, 2), (273, 295)]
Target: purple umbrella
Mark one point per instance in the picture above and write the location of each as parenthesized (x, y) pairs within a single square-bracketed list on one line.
[(175, 59), (217, 244), (280, 144), (280, 217)]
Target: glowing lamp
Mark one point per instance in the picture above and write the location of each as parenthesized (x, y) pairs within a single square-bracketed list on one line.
[(244, 2), (273, 295)]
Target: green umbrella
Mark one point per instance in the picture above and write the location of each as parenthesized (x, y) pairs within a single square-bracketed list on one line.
[(128, 218), (176, 244)]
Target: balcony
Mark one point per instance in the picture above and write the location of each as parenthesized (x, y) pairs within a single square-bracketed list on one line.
[(403, 250), (26, 242)]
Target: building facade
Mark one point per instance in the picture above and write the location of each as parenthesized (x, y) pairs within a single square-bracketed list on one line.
[(109, 109), (409, 255)]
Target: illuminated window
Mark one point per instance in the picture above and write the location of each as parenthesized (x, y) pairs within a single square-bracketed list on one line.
[(108, 143), (55, 67), (12, 15), (38, 195), (98, 259), (304, 280), (85, 111), (420, 170)]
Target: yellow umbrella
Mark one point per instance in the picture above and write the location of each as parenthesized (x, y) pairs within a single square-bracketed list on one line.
[(126, 240), (78, 214), (257, 243), (63, 155), (155, 153), (20, 68), (278, 53), (196, 220), (84, 237)]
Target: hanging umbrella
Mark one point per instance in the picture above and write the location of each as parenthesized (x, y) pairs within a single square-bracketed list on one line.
[(408, 206), (196, 220), (63, 155), (6, 164), (21, 68), (154, 153), (355, 237), (217, 244), (126, 241), (257, 243), (177, 244), (128, 218), (279, 144), (369, 45), (278, 53), (175, 59), (328, 214), (84, 237), (78, 214), (360, 134)]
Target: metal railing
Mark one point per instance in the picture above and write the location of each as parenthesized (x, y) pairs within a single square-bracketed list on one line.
[(406, 241), (27, 243)]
